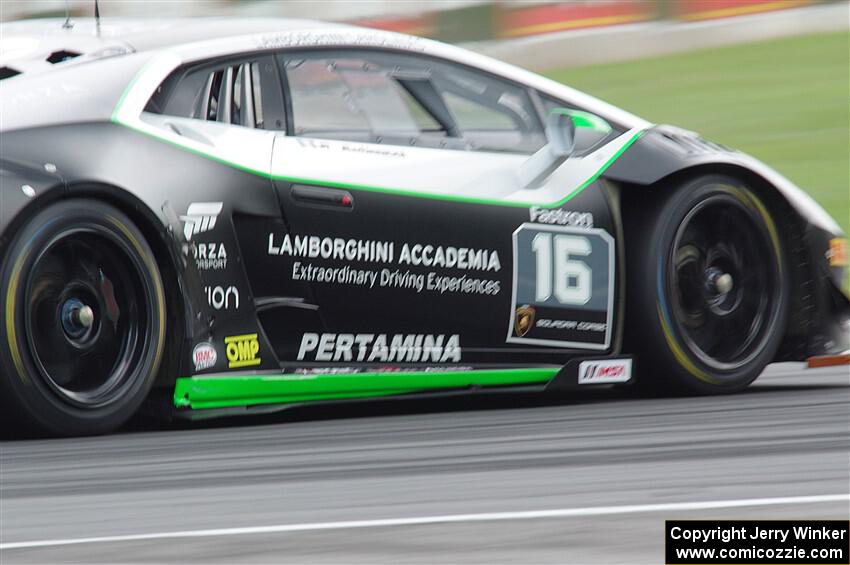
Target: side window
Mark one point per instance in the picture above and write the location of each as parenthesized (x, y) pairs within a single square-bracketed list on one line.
[(591, 130), (231, 95), (353, 98), (493, 115), (406, 100), (226, 93)]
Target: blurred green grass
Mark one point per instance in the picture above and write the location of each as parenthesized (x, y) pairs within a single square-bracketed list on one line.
[(785, 102)]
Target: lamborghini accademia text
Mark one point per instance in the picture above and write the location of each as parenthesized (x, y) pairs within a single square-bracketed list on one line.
[(218, 216)]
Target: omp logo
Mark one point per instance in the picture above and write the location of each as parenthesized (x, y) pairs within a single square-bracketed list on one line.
[(242, 350), (200, 217), (605, 371)]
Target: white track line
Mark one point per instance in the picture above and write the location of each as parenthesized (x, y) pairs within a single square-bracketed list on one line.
[(485, 517)]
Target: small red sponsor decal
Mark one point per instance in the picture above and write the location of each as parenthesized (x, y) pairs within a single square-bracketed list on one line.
[(204, 356)]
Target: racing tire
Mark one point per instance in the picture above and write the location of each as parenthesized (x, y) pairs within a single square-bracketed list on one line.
[(708, 291), (83, 328)]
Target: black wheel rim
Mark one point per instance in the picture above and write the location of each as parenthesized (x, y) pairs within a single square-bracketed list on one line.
[(86, 315), (724, 281)]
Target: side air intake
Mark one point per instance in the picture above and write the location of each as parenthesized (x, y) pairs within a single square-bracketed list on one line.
[(8, 72), (61, 56)]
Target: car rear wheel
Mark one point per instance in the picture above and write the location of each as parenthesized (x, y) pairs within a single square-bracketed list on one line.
[(84, 320), (708, 288)]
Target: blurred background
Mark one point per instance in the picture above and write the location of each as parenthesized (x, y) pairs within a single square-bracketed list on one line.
[(768, 77)]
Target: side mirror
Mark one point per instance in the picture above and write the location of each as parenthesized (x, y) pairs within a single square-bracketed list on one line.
[(560, 143), (561, 132), (561, 124)]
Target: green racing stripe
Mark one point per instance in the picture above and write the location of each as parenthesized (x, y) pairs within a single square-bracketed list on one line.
[(221, 391)]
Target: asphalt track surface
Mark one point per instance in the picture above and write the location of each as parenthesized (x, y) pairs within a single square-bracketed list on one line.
[(585, 478)]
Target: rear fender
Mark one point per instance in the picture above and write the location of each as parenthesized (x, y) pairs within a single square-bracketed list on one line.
[(184, 290)]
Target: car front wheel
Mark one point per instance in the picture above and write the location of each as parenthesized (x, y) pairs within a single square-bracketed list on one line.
[(708, 288)]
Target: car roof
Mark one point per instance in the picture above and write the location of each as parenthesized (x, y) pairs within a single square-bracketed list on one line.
[(32, 47), (121, 47), (144, 34)]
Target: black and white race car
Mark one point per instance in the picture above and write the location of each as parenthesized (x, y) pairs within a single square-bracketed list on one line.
[(223, 216)]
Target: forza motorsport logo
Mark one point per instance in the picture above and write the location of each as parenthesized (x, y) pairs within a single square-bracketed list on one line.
[(210, 256), (242, 350), (200, 217)]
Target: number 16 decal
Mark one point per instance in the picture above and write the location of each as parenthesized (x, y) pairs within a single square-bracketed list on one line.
[(563, 287), (571, 278)]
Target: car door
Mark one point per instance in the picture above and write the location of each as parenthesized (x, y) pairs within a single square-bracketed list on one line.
[(398, 180)]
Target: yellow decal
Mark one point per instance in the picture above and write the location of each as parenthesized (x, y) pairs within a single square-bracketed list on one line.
[(242, 350), (837, 253)]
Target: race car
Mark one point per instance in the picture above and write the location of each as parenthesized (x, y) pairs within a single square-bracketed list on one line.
[(210, 217)]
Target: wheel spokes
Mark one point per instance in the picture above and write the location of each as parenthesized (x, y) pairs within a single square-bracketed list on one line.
[(83, 315), (723, 281)]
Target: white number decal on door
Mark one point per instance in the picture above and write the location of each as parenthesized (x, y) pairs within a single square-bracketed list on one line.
[(571, 279)]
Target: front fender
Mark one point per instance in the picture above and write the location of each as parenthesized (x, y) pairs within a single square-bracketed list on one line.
[(823, 309), (665, 150)]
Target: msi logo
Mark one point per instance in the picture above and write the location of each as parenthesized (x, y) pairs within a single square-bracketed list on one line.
[(200, 217), (605, 371)]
